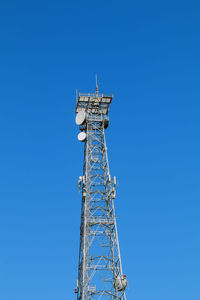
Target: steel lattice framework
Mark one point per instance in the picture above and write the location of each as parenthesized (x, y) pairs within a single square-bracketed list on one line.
[(99, 253)]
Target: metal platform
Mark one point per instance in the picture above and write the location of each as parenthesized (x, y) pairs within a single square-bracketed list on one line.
[(93, 103)]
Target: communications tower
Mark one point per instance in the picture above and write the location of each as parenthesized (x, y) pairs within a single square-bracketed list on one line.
[(100, 273)]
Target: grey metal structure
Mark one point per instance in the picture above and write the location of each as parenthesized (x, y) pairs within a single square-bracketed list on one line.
[(100, 270)]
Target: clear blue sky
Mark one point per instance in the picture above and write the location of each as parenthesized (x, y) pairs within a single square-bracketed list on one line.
[(147, 53)]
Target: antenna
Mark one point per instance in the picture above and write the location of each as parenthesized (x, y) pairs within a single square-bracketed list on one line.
[(97, 89)]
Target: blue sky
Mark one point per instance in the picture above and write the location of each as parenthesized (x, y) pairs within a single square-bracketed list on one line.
[(147, 53)]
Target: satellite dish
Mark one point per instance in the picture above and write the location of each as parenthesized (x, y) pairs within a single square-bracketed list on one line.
[(80, 117), (82, 136)]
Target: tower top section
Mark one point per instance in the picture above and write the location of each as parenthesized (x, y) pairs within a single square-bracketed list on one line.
[(93, 103)]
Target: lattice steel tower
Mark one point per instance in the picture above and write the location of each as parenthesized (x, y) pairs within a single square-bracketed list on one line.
[(100, 270)]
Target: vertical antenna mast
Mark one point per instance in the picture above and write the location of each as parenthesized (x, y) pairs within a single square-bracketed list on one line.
[(97, 90), (100, 273)]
